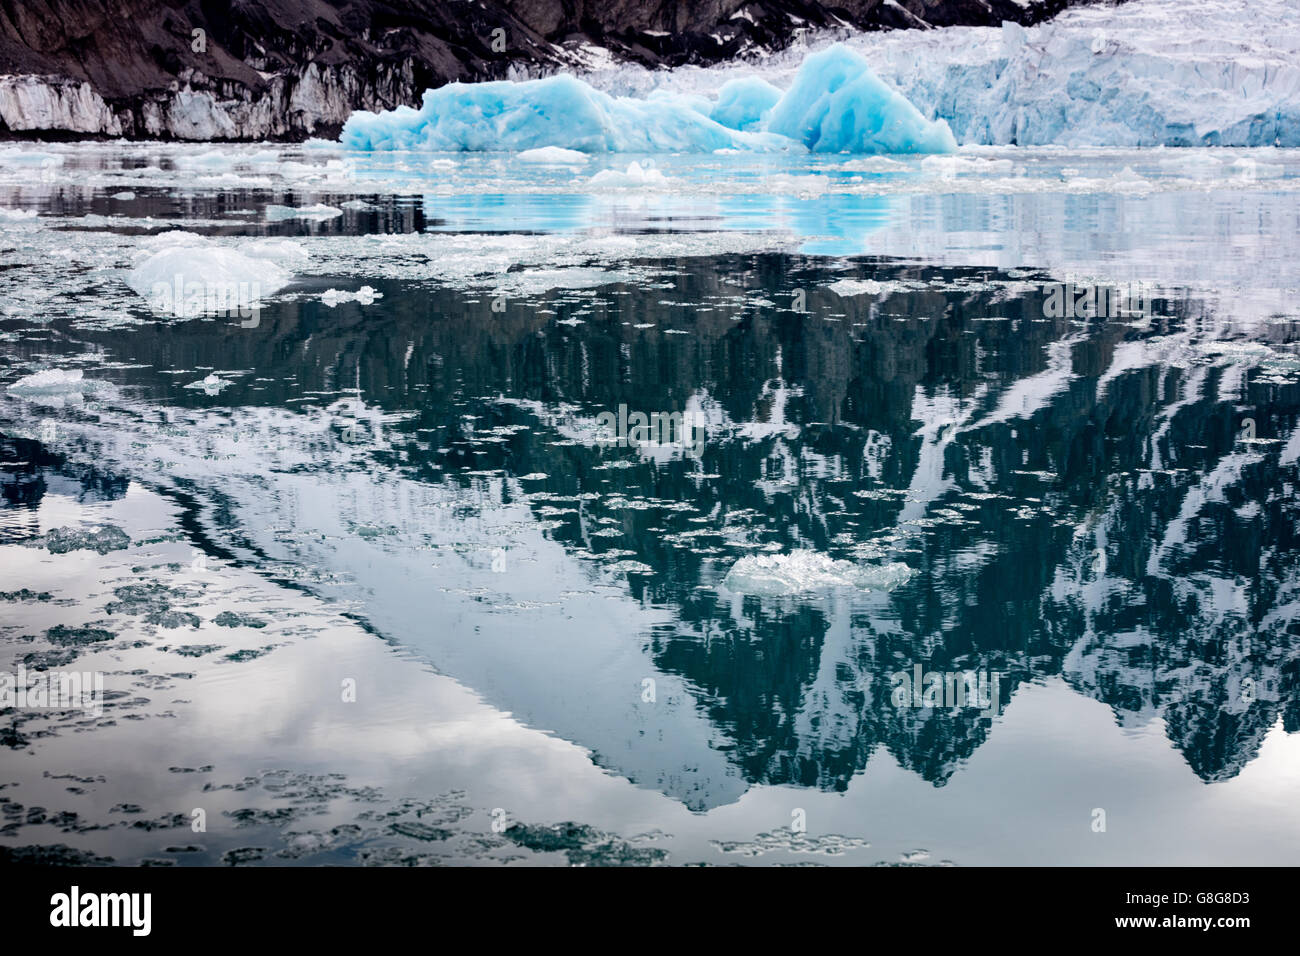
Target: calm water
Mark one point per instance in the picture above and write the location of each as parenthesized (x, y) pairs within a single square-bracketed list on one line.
[(391, 596)]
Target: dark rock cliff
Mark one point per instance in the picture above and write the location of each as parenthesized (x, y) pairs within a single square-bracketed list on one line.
[(288, 69)]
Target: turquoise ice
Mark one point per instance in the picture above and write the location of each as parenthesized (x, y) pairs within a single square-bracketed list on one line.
[(836, 104)]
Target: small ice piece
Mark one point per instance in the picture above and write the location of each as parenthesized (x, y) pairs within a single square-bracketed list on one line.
[(276, 213), (774, 575), (17, 215), (51, 381), (363, 296), (846, 288), (635, 175), (124, 196), (211, 384), (358, 204), (553, 156), (103, 539)]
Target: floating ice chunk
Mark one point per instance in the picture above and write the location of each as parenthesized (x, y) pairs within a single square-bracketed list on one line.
[(57, 387), (780, 574), (211, 384), (319, 211), (635, 175), (103, 539), (17, 215), (837, 105), (359, 204), (363, 296), (847, 288), (212, 159), (124, 195), (194, 276), (51, 381), (948, 167), (553, 156), (873, 164), (286, 252), (22, 157)]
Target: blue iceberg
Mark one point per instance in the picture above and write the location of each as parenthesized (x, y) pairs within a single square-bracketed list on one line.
[(836, 104)]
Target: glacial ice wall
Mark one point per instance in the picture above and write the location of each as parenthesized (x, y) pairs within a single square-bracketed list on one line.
[(835, 104), (1144, 73)]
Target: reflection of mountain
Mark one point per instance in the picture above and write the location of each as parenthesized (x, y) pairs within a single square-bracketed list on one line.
[(1074, 498)]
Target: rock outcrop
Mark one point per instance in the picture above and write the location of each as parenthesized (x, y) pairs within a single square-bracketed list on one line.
[(290, 69)]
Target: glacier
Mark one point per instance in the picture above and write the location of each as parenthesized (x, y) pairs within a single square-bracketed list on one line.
[(1139, 74), (836, 104)]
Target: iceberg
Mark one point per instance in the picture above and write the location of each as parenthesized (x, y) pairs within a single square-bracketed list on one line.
[(835, 104), (838, 105)]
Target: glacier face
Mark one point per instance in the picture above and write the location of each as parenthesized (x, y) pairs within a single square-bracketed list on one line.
[(1145, 73), (835, 104)]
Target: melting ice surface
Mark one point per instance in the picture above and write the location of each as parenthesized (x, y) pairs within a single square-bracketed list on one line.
[(834, 105)]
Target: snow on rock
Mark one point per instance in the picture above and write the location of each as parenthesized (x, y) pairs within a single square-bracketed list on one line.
[(774, 575), (835, 104)]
